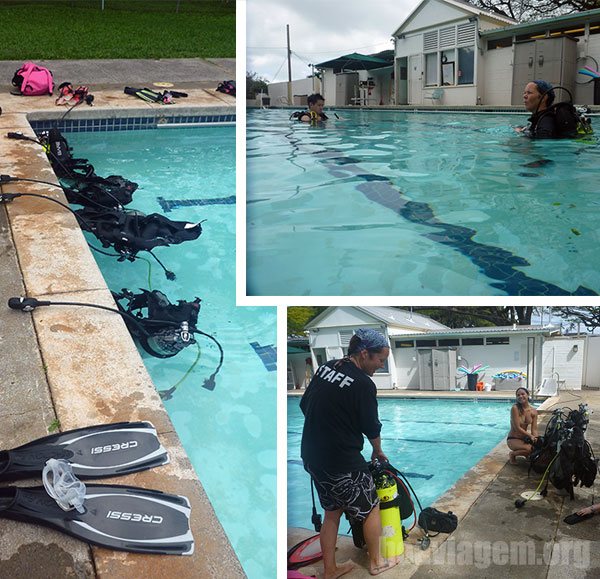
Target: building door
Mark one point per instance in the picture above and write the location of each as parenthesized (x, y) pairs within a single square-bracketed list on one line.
[(437, 368), (591, 368), (425, 369), (441, 369), (415, 79)]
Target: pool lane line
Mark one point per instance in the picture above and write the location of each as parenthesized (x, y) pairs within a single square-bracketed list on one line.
[(407, 421), (466, 443), (168, 205), (267, 355), (494, 262)]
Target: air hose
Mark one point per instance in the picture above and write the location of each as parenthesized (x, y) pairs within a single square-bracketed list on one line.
[(29, 304), (6, 197)]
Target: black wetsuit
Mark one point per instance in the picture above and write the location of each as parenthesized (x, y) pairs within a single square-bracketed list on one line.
[(542, 125), (340, 408)]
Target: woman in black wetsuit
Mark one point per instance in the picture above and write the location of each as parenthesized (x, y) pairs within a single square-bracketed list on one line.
[(538, 96), (522, 416)]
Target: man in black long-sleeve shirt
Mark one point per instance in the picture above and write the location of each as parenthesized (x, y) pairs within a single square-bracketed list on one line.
[(340, 409)]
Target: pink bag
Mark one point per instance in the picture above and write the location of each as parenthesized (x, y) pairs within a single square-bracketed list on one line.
[(33, 80)]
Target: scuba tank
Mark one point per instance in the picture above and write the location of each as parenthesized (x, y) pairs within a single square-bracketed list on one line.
[(395, 505), (391, 544)]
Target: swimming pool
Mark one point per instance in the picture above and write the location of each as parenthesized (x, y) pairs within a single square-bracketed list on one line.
[(433, 442), (229, 433), (404, 203)]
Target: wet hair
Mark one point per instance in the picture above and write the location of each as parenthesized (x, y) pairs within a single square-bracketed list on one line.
[(545, 88), (313, 98), (519, 405)]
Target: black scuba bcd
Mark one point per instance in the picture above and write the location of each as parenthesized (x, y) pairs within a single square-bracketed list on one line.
[(61, 159), (167, 328), (129, 232)]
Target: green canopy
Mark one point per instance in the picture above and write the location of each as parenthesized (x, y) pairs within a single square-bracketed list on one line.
[(355, 61), (294, 350)]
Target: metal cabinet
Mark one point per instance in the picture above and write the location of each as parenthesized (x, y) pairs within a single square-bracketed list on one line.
[(437, 368), (550, 59)]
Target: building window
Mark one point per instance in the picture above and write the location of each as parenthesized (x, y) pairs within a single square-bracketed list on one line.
[(496, 341), (466, 65), (404, 344), (431, 69), (448, 67), (449, 342), (472, 341), (426, 343), (450, 55)]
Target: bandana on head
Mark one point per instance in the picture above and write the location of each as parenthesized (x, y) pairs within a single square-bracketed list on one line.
[(371, 339), (545, 88)]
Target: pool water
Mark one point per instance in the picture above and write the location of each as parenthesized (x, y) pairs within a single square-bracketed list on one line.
[(432, 442), (229, 433), (404, 203)]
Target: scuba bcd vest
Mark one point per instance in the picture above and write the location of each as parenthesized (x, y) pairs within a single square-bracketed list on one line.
[(129, 232), (167, 328), (564, 453), (59, 154), (314, 117), (570, 121), (107, 192)]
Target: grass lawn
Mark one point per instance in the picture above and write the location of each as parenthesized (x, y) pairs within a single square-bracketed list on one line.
[(79, 29)]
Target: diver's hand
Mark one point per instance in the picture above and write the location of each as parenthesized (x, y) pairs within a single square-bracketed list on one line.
[(378, 455), (588, 511), (519, 129)]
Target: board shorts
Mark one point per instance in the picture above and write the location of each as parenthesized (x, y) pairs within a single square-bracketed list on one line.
[(353, 492)]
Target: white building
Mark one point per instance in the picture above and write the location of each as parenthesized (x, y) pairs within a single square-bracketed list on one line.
[(438, 46), (447, 52), (425, 355)]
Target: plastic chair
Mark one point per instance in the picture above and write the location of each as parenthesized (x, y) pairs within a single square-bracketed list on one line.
[(436, 95), (549, 387)]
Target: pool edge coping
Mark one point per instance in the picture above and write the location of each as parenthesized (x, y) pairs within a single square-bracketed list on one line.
[(213, 552)]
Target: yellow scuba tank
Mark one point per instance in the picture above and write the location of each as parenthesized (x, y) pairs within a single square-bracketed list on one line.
[(391, 544)]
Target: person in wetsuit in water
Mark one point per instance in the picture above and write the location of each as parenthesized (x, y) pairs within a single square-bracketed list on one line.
[(538, 97), (315, 113)]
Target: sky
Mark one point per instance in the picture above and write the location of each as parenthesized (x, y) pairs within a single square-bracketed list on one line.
[(319, 30)]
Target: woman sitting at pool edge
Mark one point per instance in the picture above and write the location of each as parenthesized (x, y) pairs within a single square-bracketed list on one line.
[(522, 416)]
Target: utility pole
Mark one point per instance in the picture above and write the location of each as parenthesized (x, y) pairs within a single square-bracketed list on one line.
[(289, 56)]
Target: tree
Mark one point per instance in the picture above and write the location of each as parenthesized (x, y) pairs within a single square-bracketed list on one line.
[(524, 10), (255, 84), (469, 317), (298, 317), (588, 316)]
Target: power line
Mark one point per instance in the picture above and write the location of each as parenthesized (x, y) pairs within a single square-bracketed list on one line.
[(355, 48), (266, 47)]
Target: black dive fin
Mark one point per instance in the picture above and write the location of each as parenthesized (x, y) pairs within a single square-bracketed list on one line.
[(146, 94), (93, 452), (117, 517)]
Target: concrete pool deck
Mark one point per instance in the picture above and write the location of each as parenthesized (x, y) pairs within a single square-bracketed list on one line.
[(79, 366), (493, 538)]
